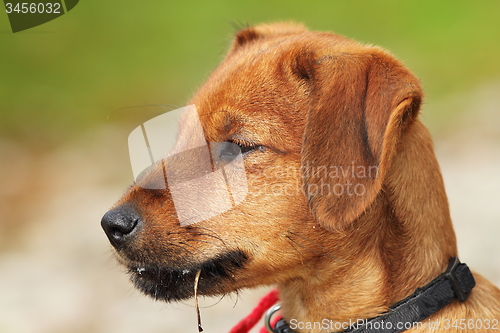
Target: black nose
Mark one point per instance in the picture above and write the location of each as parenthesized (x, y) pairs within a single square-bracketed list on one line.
[(119, 225)]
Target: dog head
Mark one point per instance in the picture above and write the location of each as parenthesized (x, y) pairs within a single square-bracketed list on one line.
[(317, 119)]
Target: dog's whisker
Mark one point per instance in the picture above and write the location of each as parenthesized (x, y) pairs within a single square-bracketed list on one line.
[(221, 246), (200, 240), (196, 281), (205, 229), (175, 244), (306, 248), (187, 221), (207, 242), (237, 292), (293, 246), (180, 245), (238, 25), (207, 306), (208, 235), (211, 305), (194, 247)]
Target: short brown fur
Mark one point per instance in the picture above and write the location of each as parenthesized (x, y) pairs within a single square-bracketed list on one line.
[(308, 100)]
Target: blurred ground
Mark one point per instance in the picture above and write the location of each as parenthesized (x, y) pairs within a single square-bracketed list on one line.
[(57, 272)]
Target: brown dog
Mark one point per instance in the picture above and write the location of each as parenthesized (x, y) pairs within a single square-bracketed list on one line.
[(346, 210)]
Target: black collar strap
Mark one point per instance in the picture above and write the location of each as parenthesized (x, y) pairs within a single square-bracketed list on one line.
[(456, 282)]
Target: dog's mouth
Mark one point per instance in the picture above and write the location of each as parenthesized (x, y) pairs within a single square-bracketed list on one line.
[(175, 284)]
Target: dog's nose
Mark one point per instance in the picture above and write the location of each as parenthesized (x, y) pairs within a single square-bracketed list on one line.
[(119, 225)]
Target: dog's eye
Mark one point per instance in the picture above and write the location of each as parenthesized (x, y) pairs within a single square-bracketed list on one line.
[(246, 147), (235, 147), (228, 151)]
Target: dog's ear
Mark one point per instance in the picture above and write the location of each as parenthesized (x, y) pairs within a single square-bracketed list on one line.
[(360, 105), (250, 34)]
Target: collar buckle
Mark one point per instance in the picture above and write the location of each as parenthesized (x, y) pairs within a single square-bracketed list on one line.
[(451, 275), (268, 316)]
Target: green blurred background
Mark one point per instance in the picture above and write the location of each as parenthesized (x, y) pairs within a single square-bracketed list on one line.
[(63, 158), (69, 74)]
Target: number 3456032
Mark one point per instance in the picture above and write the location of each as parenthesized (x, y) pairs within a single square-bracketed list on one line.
[(24, 8)]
